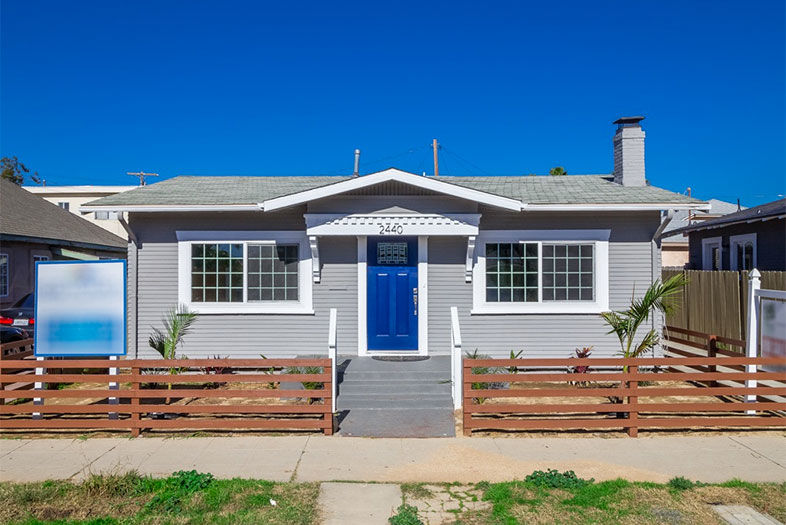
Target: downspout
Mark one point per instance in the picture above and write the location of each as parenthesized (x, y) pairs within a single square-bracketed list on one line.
[(654, 247), (133, 279)]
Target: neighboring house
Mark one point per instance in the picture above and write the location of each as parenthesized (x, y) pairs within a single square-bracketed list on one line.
[(751, 238), (32, 229), (530, 262), (675, 247), (70, 198)]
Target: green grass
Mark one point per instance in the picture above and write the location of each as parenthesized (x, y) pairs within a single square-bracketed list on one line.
[(553, 497), (185, 497)]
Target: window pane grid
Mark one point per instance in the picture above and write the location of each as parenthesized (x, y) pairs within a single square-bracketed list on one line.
[(217, 273), (273, 272), (511, 272), (3, 274), (568, 272)]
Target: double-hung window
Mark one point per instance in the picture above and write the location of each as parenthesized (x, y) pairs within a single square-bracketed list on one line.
[(523, 271), (245, 272), (743, 251), (4, 275)]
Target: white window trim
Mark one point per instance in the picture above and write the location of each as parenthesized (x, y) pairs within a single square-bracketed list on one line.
[(736, 240), (706, 252), (304, 306), (7, 275), (600, 238)]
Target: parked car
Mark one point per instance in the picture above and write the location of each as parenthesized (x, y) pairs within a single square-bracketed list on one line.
[(21, 314), (9, 334)]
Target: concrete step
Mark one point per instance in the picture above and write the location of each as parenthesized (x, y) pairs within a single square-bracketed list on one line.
[(383, 388), (412, 402), (392, 386), (398, 422), (375, 375)]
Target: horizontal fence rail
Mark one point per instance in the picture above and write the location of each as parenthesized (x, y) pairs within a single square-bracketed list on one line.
[(622, 393), (194, 394)]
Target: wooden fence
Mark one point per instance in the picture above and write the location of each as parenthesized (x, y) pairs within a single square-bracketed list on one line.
[(715, 302), (17, 350), (617, 393), (228, 394)]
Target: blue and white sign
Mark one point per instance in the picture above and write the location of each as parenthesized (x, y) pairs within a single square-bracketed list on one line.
[(80, 308)]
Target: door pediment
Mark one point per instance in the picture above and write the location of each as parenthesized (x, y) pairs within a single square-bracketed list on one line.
[(401, 224)]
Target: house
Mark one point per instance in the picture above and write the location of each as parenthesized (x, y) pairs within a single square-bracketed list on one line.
[(32, 229), (70, 198), (674, 248), (529, 262), (751, 238)]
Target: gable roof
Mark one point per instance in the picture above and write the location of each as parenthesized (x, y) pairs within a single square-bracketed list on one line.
[(190, 193), (28, 216), (680, 219), (768, 211)]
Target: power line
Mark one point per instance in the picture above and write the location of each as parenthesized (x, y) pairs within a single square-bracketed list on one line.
[(465, 161)]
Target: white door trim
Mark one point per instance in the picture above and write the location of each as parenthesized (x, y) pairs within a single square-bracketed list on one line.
[(362, 296), (363, 300)]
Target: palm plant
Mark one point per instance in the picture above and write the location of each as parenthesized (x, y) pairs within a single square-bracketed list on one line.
[(626, 323), (177, 322)]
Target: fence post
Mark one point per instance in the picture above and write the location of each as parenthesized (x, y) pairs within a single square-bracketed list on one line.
[(39, 385), (467, 398), (455, 359), (332, 355), (712, 351), (633, 414), (136, 417), (752, 332), (112, 386)]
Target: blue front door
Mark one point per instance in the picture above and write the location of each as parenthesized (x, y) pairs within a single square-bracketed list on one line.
[(392, 293)]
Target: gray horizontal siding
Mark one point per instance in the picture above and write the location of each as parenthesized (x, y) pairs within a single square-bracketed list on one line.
[(245, 335)]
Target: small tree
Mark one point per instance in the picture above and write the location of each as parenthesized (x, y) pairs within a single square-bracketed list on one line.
[(177, 323), (557, 171), (13, 170), (625, 323)]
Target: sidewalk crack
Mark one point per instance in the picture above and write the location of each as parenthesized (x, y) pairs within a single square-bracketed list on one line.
[(757, 452), (92, 461), (297, 465)]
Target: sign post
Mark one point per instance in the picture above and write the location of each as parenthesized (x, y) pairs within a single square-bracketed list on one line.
[(80, 311)]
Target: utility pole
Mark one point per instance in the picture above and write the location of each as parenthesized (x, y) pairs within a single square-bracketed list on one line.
[(141, 175), (435, 145), (690, 215)]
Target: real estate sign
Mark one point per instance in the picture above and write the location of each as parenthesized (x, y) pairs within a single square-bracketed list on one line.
[(80, 308), (773, 331)]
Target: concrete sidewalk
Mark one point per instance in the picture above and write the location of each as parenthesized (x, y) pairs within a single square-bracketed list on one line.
[(319, 458)]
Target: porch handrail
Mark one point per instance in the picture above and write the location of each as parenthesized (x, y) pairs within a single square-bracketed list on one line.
[(455, 358), (332, 354)]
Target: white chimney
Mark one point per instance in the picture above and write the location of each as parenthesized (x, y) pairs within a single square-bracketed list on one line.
[(629, 152)]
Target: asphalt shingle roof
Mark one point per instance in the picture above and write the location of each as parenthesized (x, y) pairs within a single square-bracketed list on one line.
[(680, 219), (763, 211), (229, 190), (27, 215)]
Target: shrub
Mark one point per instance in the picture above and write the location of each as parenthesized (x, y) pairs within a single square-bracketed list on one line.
[(177, 488), (557, 480), (482, 370), (680, 483), (405, 515), (581, 353)]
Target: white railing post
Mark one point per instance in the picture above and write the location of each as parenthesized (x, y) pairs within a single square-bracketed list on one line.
[(113, 385), (752, 332), (456, 379), (38, 385), (332, 355)]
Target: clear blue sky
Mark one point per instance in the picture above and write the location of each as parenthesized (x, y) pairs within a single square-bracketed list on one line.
[(92, 89)]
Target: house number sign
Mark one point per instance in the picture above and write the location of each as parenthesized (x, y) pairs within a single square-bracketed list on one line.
[(390, 228)]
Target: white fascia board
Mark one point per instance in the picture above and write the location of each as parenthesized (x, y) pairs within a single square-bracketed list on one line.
[(615, 207), (169, 208), (427, 183)]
